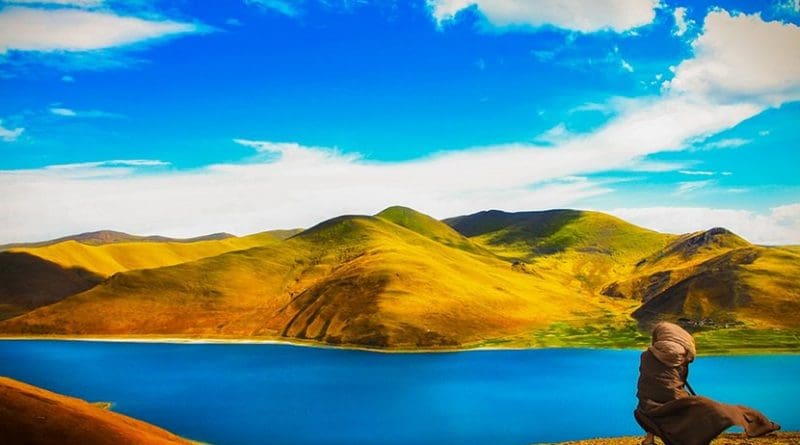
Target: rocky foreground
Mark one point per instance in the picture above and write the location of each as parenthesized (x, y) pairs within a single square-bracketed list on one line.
[(788, 438)]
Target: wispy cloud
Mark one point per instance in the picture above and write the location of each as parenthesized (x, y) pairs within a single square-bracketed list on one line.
[(76, 3), (788, 6), (8, 134), (626, 66), (575, 15), (289, 8), (681, 24), (696, 172), (726, 143), (69, 112), (780, 225), (58, 111), (691, 186), (77, 30)]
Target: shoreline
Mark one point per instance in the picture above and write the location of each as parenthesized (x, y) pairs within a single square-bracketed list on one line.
[(309, 344)]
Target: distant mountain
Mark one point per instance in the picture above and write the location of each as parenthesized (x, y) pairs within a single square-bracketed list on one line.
[(715, 277), (110, 236), (31, 415), (31, 277), (401, 279), (110, 258)]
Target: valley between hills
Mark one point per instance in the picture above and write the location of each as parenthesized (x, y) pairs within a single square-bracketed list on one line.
[(401, 280)]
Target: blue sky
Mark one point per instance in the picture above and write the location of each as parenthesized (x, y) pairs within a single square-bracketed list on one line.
[(183, 118)]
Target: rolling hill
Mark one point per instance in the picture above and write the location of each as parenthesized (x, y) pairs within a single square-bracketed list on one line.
[(112, 236), (120, 256), (31, 277), (401, 279), (34, 416)]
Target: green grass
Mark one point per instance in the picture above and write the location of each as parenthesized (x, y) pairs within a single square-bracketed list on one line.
[(748, 341), (629, 336)]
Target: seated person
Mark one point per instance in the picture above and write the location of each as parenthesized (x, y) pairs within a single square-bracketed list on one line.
[(667, 410)]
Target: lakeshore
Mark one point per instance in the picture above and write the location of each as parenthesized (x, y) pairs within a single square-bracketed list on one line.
[(789, 344)]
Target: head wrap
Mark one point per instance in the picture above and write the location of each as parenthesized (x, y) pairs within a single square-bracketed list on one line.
[(672, 345)]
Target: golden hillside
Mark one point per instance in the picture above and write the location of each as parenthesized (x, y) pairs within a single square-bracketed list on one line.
[(401, 279), (110, 258), (352, 280)]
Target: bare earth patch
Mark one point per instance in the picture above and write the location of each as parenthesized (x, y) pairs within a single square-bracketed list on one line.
[(788, 438)]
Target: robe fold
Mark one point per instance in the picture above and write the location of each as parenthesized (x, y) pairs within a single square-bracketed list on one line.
[(667, 410)]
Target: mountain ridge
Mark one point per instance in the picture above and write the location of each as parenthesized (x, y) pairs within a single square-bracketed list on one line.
[(401, 279)]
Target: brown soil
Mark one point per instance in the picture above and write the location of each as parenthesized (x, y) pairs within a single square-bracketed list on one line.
[(789, 438), (33, 416)]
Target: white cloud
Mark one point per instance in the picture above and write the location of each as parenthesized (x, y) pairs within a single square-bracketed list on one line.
[(626, 66), (696, 172), (285, 7), (742, 58), (66, 29), (69, 112), (726, 143), (76, 3), (287, 184), (691, 186), (58, 111), (788, 6), (781, 225), (576, 15), (68, 79), (10, 135), (117, 168), (681, 24)]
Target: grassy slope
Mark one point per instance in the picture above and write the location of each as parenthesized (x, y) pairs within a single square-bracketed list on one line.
[(590, 247), (713, 274), (31, 415), (108, 259), (351, 280), (719, 276)]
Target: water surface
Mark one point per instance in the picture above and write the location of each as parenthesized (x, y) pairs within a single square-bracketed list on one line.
[(281, 394)]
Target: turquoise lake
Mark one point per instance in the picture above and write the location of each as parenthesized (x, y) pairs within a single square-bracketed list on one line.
[(281, 394)]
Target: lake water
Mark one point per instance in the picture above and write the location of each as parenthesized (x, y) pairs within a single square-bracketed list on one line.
[(281, 394)]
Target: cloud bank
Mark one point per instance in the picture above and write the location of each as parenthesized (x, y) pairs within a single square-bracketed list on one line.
[(574, 15), (73, 30), (287, 184)]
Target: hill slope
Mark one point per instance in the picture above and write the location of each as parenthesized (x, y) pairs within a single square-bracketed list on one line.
[(590, 247), (401, 279), (28, 282), (355, 280), (709, 278), (112, 236), (31, 415), (108, 259)]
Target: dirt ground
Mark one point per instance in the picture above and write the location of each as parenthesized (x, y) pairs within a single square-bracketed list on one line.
[(789, 438)]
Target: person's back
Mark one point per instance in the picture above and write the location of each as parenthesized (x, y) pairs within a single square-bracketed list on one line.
[(667, 410), (658, 382)]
